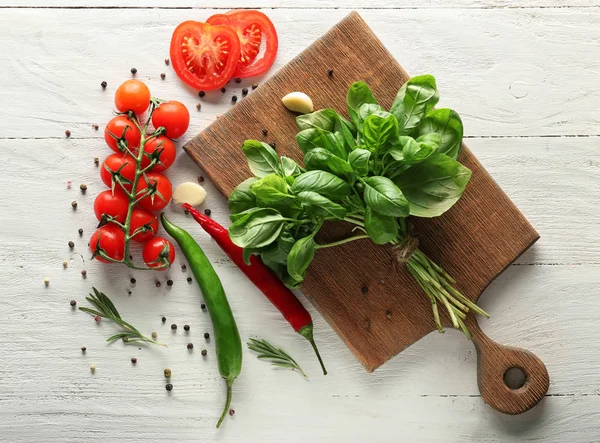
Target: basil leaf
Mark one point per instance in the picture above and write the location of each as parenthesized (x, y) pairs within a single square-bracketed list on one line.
[(242, 214), (383, 196), (414, 99), (262, 159), (322, 205), (322, 182), (247, 253), (289, 281), (278, 251), (365, 111), (313, 138), (433, 186), (448, 125), (320, 158), (301, 255), (359, 160), (431, 140), (277, 268), (324, 119), (380, 228), (358, 94), (289, 167), (256, 229), (379, 131), (410, 151), (270, 189), (241, 197)]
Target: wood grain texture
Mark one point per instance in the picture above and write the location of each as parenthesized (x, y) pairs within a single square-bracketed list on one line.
[(376, 308)]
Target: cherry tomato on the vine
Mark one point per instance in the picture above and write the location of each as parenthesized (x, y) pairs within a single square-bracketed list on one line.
[(154, 202), (114, 204), (204, 56), (121, 126), (252, 27), (114, 162), (174, 116), (139, 218), (167, 156), (158, 252), (112, 242), (132, 95)]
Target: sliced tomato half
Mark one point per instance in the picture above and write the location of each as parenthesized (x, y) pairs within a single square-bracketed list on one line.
[(252, 27), (204, 56)]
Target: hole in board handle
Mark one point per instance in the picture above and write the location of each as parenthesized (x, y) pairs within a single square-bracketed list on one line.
[(515, 378)]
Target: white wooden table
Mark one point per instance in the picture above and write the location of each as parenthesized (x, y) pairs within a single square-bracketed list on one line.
[(525, 77)]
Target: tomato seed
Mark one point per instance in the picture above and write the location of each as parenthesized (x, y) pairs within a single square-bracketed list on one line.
[(198, 106), (83, 273), (154, 335)]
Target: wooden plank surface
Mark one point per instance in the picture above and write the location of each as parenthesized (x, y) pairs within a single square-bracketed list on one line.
[(47, 393)]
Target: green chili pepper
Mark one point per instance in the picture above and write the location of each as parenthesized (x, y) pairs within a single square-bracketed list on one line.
[(227, 338)]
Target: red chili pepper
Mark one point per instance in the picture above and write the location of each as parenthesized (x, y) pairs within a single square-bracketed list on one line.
[(264, 279)]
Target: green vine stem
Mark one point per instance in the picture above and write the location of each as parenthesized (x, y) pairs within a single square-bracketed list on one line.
[(133, 196)]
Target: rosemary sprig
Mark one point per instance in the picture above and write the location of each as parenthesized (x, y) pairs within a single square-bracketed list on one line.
[(105, 308), (277, 357)]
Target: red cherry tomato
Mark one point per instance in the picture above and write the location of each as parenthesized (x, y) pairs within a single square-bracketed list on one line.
[(114, 162), (121, 126), (161, 184), (112, 242), (174, 116), (116, 205), (132, 95), (166, 149), (157, 252), (204, 56), (252, 27), (139, 218)]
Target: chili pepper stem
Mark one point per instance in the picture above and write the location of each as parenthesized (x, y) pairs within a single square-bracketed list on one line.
[(227, 402), (307, 333)]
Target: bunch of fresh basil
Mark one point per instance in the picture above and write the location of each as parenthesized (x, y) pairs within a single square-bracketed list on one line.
[(373, 171)]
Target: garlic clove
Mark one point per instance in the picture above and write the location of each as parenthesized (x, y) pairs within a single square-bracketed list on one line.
[(298, 102), (189, 192)]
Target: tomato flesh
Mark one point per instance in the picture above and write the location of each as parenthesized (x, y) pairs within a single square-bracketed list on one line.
[(204, 56), (173, 116)]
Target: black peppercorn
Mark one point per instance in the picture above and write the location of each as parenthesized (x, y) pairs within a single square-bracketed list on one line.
[(238, 80), (173, 327), (245, 91), (233, 98), (190, 346), (223, 90), (203, 306), (330, 72), (169, 387), (71, 245), (207, 212), (83, 349), (128, 292), (83, 273), (73, 303), (169, 282), (103, 84), (254, 85), (80, 232), (200, 179), (186, 328), (167, 61), (132, 280), (95, 127), (183, 267), (96, 161), (134, 360), (203, 352), (189, 279), (163, 75), (273, 145), (265, 132), (164, 319), (157, 284), (201, 94), (133, 71), (206, 335)]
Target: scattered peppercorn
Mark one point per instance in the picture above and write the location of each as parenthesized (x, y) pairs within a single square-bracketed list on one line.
[(74, 205), (96, 161), (167, 61), (73, 303), (157, 284), (183, 267), (83, 273), (133, 360), (173, 327), (83, 349), (203, 307), (132, 280), (244, 91), (186, 328), (198, 106), (104, 84), (164, 319), (97, 318), (65, 264), (330, 72), (93, 368), (238, 80), (95, 127), (128, 292), (273, 145), (204, 352), (190, 346), (189, 279), (71, 245), (201, 94), (207, 212), (68, 133), (265, 132), (231, 412), (154, 335), (169, 282), (200, 179), (254, 85), (169, 387), (47, 281), (80, 231), (125, 339), (83, 188), (223, 90), (163, 75), (133, 71), (167, 373), (206, 335), (233, 98), (186, 212), (364, 289)]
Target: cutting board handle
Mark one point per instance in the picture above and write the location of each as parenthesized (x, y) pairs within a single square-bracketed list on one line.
[(511, 380)]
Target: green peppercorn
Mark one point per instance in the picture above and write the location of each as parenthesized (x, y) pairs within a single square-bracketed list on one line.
[(167, 373), (83, 188)]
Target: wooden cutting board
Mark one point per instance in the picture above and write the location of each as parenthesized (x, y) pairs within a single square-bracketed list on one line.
[(375, 307)]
